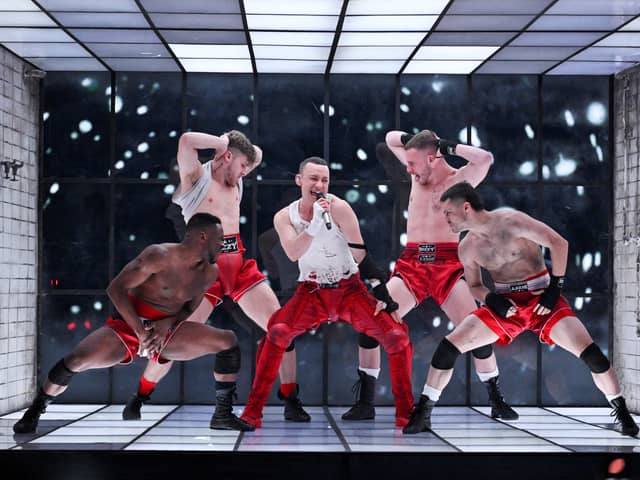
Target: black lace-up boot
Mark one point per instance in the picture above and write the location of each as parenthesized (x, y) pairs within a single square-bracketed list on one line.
[(624, 422), (499, 408), (420, 420), (29, 421), (223, 417), (364, 390), (293, 410)]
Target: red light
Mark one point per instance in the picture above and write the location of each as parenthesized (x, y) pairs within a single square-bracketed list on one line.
[(87, 324), (71, 326)]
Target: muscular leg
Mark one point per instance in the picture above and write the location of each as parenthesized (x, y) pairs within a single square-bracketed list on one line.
[(259, 303), (100, 349), (457, 306), (571, 334), (154, 371)]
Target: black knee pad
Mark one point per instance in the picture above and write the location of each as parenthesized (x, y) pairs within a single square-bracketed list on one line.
[(595, 359), (367, 342), (445, 356), (291, 346), (60, 374), (482, 352), (228, 361)]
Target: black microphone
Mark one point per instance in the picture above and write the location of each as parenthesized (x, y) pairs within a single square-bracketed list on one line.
[(325, 214)]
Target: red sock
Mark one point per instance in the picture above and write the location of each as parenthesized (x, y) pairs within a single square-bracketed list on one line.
[(287, 389), (146, 387)]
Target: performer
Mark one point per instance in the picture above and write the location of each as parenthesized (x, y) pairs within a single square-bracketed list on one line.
[(429, 265), (216, 188), (526, 297), (153, 295), (321, 232)]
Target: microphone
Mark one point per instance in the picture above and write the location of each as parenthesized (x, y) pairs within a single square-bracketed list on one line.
[(325, 214)]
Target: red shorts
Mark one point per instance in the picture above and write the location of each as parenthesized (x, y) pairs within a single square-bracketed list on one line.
[(128, 336), (429, 269), (525, 319), (237, 275)]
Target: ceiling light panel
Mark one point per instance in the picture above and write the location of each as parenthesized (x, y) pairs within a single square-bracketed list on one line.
[(366, 66), (204, 36), (595, 7), (623, 39), (624, 54), (101, 20), (462, 67), (534, 53), (293, 7), (283, 52), (483, 22), (373, 53), (321, 39), (355, 39), (489, 7), (25, 19), (291, 66), (454, 52), (192, 6), (89, 6), (469, 38), (132, 50), (372, 23), (219, 65), (590, 68), (321, 23), (515, 67), (18, 6), (67, 64), (33, 49), (115, 36), (549, 39), (578, 22), (200, 20), (634, 25), (404, 7), (142, 65), (210, 51), (11, 34)]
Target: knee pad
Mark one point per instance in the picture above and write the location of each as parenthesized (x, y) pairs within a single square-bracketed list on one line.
[(291, 346), (228, 361), (482, 352), (60, 374), (367, 342), (445, 356), (595, 359)]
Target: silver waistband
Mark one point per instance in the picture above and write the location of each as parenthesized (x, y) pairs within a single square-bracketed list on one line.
[(538, 283)]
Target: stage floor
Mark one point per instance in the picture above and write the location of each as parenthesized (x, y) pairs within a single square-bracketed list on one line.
[(186, 428)]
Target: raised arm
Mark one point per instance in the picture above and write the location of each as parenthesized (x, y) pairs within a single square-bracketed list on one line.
[(135, 273), (293, 243), (258, 161), (479, 162), (393, 139), (189, 165)]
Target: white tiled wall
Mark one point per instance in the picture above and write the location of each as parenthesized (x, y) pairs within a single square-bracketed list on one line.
[(19, 99), (627, 235)]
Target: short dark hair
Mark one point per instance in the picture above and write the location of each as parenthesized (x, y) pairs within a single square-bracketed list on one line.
[(240, 142), (465, 192), (423, 140), (316, 160), (202, 220)]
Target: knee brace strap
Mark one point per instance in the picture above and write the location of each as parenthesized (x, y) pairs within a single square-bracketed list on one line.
[(482, 352), (60, 374), (291, 346), (367, 342), (445, 356), (595, 359), (228, 361)]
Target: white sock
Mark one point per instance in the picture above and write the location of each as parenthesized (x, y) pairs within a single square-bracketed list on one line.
[(613, 397), (484, 376), (372, 372), (431, 392)]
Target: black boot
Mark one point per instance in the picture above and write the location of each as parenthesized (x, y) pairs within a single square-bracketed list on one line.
[(131, 410), (293, 410), (365, 389), (29, 421), (420, 420), (624, 422), (223, 417), (499, 408)]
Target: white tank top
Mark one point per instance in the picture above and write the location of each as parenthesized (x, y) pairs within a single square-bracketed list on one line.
[(329, 258)]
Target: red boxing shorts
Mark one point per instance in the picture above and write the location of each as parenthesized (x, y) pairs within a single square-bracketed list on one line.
[(525, 319), (237, 275), (429, 269), (128, 336)]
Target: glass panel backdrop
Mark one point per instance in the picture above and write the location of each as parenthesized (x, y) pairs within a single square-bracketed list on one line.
[(106, 194)]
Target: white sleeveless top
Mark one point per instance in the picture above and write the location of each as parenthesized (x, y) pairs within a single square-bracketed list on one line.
[(192, 198), (329, 258)]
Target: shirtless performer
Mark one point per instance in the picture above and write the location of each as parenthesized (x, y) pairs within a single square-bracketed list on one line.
[(429, 265), (216, 188), (153, 295), (526, 296)]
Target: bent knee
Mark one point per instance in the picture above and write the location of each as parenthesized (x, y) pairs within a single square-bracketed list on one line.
[(280, 334), (395, 340)]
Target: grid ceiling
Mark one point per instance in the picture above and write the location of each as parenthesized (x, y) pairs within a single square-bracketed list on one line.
[(588, 37)]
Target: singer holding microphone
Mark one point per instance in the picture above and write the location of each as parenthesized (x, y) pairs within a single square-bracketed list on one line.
[(321, 232)]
